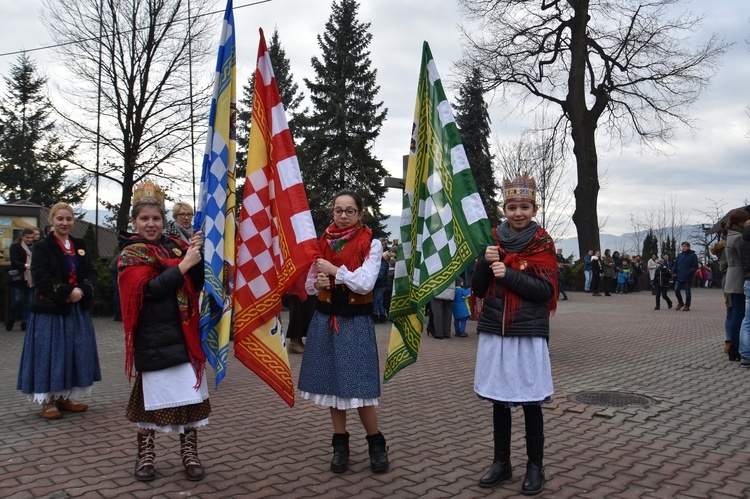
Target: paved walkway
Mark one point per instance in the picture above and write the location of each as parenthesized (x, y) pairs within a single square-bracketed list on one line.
[(693, 442)]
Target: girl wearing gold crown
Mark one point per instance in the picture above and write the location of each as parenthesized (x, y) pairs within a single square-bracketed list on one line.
[(60, 361), (517, 277), (159, 279)]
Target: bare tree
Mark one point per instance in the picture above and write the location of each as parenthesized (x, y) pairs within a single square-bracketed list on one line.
[(635, 241), (145, 49), (540, 154), (666, 221), (615, 65), (704, 233)]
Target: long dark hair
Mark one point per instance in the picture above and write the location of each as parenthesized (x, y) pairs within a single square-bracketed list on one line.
[(354, 195), (24, 232)]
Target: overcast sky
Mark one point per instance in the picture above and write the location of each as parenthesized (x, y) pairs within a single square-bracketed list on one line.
[(712, 162)]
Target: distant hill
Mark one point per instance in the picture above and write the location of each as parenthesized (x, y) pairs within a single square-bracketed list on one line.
[(624, 243)]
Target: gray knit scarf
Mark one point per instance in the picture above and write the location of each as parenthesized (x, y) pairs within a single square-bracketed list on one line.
[(513, 242)]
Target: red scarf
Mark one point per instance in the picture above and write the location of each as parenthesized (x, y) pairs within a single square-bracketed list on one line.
[(347, 247), (537, 259), (139, 263)]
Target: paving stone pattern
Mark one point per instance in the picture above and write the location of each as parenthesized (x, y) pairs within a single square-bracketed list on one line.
[(693, 442)]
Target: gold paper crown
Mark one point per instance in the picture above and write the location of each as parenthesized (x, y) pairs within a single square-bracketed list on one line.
[(148, 193), (522, 189)]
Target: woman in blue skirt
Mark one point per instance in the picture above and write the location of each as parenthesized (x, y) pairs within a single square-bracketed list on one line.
[(60, 360), (340, 368)]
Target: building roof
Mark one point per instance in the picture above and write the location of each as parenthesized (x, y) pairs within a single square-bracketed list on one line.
[(106, 237)]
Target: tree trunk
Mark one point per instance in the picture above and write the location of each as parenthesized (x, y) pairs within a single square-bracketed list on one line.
[(586, 192), (583, 132), (123, 215)]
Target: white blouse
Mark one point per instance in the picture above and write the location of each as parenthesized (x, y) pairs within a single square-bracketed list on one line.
[(361, 280)]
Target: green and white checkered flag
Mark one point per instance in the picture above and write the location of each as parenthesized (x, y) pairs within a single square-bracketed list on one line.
[(443, 222)]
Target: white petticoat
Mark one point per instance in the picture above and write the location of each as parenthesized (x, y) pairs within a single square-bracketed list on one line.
[(513, 369), (338, 402)]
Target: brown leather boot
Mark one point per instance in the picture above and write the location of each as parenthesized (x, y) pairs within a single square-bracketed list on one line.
[(144, 462), (50, 411), (295, 345), (189, 451), (70, 405)]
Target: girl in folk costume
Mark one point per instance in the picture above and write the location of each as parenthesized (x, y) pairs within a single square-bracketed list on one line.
[(517, 277), (60, 361), (340, 368), (159, 279)]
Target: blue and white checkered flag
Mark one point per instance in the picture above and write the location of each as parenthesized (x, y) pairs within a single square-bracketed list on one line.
[(215, 213)]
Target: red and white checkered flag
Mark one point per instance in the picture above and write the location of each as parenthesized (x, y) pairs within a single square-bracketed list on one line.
[(276, 240)]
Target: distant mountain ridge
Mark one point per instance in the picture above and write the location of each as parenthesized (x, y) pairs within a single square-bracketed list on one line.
[(624, 243)]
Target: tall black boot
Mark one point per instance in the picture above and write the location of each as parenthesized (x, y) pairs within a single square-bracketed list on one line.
[(378, 453), (533, 482), (501, 468), (340, 461)]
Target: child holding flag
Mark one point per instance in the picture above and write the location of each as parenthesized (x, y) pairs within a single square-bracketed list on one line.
[(517, 277), (159, 279), (340, 368)]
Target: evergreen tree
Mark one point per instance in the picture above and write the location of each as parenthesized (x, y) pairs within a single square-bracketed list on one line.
[(669, 247), (89, 237), (33, 158), (473, 121), (288, 91), (336, 152), (650, 246)]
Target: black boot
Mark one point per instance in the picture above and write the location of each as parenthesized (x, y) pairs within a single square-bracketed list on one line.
[(189, 451), (501, 468), (340, 460), (144, 462), (378, 453), (734, 353), (533, 482)]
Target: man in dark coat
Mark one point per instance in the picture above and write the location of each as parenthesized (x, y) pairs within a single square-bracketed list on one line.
[(683, 271)]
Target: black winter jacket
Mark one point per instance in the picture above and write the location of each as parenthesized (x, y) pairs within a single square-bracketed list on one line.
[(158, 340), (745, 252), (532, 319), (17, 263), (49, 271)]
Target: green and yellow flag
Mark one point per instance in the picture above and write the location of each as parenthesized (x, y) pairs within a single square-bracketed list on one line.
[(443, 222)]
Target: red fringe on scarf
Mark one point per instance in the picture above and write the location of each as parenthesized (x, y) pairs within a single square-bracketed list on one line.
[(352, 255), (138, 264), (537, 259)]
